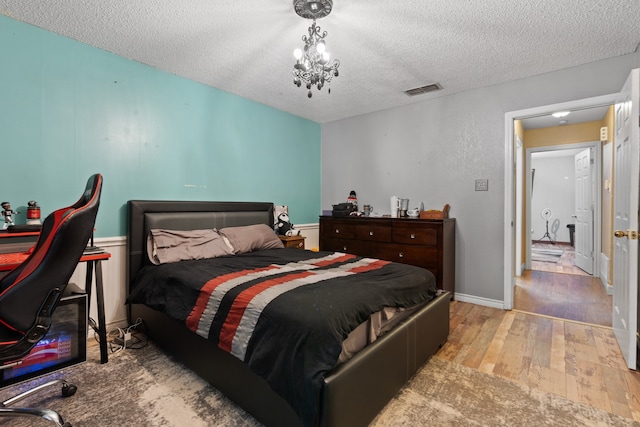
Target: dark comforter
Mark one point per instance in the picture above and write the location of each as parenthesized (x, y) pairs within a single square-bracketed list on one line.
[(284, 312)]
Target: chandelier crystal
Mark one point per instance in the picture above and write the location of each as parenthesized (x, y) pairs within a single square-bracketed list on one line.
[(314, 66)]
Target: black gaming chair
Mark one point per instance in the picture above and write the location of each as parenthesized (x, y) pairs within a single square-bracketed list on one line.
[(30, 293)]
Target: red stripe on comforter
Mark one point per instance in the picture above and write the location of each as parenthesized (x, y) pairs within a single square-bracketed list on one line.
[(370, 267), (342, 258), (241, 303), (205, 294)]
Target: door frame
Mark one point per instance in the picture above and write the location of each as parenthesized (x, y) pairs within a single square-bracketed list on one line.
[(509, 178)]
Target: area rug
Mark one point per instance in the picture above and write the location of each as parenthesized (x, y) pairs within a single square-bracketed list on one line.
[(147, 388), (546, 254)]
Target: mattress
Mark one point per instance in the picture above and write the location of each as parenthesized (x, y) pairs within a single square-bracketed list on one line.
[(373, 328)]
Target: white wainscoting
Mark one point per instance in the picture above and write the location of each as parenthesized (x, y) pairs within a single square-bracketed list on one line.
[(114, 282), (115, 275), (311, 232)]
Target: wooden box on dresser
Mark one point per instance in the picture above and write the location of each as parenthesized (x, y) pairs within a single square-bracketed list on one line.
[(428, 243)]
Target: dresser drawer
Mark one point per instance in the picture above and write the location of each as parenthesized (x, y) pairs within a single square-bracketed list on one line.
[(415, 235), (415, 255), (338, 229), (341, 245), (374, 233)]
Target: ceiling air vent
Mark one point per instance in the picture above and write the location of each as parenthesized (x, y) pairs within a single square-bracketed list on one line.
[(424, 89)]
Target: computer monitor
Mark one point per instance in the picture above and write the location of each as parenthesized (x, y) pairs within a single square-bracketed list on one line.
[(64, 345)]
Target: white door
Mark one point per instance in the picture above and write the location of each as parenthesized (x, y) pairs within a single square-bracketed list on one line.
[(625, 222), (583, 234)]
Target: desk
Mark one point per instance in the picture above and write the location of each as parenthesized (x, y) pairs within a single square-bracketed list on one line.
[(17, 242), (94, 260), (20, 234)]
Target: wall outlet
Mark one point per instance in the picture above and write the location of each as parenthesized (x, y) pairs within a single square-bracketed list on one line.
[(604, 134), (482, 185)]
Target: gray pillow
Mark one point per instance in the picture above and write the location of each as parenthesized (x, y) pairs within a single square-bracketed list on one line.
[(250, 238), (164, 246)]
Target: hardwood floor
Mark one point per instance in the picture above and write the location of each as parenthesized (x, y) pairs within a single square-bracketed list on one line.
[(567, 296), (560, 289), (564, 265), (578, 361)]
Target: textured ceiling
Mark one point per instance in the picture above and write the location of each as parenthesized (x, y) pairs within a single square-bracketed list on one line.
[(385, 46)]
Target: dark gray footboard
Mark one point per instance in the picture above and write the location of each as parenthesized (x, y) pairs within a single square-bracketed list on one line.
[(358, 390), (353, 394), (225, 372)]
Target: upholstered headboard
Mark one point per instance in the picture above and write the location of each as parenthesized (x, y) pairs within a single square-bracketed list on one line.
[(144, 215)]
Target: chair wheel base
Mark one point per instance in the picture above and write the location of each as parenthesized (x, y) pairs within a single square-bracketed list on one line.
[(47, 414), (68, 390)]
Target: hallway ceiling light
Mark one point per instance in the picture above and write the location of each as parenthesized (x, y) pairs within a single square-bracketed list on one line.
[(313, 66), (559, 114)]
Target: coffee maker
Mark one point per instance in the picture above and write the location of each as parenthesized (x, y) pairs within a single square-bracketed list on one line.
[(399, 207)]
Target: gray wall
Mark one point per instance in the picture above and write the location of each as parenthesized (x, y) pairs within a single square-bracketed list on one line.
[(433, 151)]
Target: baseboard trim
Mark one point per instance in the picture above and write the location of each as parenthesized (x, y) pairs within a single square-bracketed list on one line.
[(479, 301)]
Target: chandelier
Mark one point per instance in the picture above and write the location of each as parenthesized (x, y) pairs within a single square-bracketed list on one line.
[(313, 66)]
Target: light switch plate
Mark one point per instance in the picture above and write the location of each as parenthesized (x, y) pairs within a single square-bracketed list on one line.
[(482, 185)]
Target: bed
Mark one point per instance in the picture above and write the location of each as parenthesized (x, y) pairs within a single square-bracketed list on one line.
[(349, 394)]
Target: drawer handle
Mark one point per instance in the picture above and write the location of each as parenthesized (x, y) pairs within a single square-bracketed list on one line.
[(401, 255), (371, 233), (337, 231), (344, 248), (413, 236)]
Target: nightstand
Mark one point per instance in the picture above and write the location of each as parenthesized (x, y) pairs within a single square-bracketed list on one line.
[(293, 241)]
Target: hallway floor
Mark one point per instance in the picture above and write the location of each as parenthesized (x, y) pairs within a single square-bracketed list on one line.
[(574, 297), (560, 289), (564, 265)]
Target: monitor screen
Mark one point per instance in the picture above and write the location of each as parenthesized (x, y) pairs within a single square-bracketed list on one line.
[(64, 345)]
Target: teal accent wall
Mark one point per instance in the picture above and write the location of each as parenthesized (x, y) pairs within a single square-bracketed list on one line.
[(68, 110)]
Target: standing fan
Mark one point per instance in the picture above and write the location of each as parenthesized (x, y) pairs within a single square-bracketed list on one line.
[(546, 214)]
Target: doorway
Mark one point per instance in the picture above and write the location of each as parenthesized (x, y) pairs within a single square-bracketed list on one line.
[(561, 193), (562, 187), (511, 194)]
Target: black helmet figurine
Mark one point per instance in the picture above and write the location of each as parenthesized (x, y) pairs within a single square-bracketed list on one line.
[(6, 213)]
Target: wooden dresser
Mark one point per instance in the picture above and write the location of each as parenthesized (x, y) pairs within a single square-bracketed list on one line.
[(428, 243)]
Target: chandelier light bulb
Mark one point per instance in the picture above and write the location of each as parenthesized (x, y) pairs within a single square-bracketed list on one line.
[(297, 53), (321, 48)]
